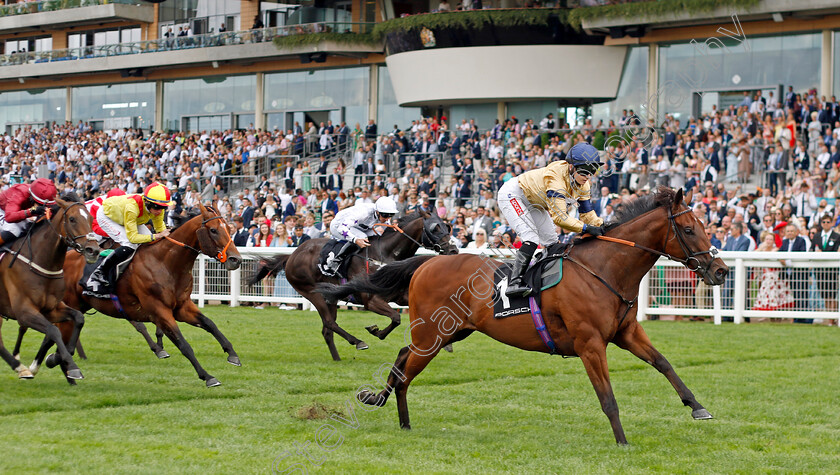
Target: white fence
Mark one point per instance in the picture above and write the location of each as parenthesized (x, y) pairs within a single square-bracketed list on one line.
[(759, 285)]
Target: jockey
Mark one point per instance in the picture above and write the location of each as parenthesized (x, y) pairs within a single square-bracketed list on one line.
[(356, 223), (22, 201), (93, 207), (124, 219), (537, 200)]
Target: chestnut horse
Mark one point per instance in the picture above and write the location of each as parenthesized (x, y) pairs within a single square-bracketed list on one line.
[(395, 244), (593, 305), (33, 282), (157, 284)]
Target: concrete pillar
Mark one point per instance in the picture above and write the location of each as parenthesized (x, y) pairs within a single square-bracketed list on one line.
[(501, 111), (652, 102), (68, 105), (159, 106), (827, 65), (373, 101), (259, 113)]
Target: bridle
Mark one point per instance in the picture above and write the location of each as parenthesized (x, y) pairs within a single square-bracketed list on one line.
[(70, 239), (427, 239), (222, 255)]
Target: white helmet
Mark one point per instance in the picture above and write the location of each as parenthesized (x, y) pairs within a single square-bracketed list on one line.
[(386, 205)]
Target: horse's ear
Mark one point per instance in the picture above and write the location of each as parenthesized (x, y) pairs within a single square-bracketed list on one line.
[(687, 197), (61, 203), (424, 214), (678, 199), (202, 207)]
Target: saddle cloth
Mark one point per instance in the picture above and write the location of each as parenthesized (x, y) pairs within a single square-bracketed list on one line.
[(89, 268), (330, 249), (544, 274)]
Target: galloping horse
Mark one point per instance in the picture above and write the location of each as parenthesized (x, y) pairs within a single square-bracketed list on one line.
[(593, 305), (395, 244), (157, 284), (33, 282)]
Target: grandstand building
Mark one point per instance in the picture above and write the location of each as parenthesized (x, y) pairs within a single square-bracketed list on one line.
[(189, 65)]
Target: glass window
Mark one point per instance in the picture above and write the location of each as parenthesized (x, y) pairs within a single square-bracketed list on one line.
[(536, 110), (318, 90), (389, 111), (212, 96), (34, 106), (485, 115), (632, 90), (115, 101), (792, 60)]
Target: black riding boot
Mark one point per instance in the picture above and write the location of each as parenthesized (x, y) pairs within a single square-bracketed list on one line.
[(520, 265), (346, 250), (6, 237), (101, 281)]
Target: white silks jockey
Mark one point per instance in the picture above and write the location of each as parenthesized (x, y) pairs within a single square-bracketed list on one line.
[(536, 201), (356, 223)]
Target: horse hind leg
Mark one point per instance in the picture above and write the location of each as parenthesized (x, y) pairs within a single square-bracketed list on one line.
[(39, 323), (192, 316), (19, 342), (22, 371), (156, 348), (328, 314), (593, 354), (635, 340)]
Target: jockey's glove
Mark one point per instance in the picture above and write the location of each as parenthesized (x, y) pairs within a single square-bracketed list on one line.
[(37, 211), (594, 230)]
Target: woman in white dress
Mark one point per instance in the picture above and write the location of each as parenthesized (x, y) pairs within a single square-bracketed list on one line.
[(773, 292), (297, 176)]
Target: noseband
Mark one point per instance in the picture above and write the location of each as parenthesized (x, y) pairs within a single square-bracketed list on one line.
[(221, 256), (691, 256), (69, 239), (427, 239)]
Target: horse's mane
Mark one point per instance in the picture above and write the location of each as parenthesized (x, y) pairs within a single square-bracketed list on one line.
[(626, 211), (71, 196), (180, 220), (408, 218)]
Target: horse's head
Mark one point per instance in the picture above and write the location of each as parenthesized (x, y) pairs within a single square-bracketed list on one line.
[(690, 243), (72, 221), (215, 240), (436, 234)]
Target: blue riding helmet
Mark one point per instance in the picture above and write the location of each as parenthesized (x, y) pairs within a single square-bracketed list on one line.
[(585, 158)]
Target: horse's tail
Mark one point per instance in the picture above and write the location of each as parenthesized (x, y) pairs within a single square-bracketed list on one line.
[(270, 266), (389, 282)]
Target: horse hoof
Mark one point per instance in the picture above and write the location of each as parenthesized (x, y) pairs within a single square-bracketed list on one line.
[(34, 367), (234, 360), (362, 345), (75, 374), (213, 382), (448, 348), (162, 354), (373, 329), (701, 414), (71, 382), (24, 373), (405, 426), (52, 361)]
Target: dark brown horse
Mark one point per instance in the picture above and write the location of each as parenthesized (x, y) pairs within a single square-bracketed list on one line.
[(302, 271), (157, 284), (33, 280), (452, 296)]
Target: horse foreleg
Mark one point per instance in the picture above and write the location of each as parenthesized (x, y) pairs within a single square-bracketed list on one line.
[(190, 314), (156, 348), (19, 341), (635, 340), (22, 371), (328, 314), (38, 322), (170, 328), (593, 353), (395, 377), (376, 304)]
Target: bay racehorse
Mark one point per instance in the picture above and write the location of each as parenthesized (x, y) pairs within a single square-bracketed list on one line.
[(32, 279), (394, 244), (157, 284), (593, 305)]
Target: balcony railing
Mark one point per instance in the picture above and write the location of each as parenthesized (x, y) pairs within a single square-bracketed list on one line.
[(55, 5), (264, 35)]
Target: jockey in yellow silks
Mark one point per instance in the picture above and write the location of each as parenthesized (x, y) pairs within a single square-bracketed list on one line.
[(538, 200), (125, 219)]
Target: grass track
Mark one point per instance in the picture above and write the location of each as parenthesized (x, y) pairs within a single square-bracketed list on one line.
[(487, 408)]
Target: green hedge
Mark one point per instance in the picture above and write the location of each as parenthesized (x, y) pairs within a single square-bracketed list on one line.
[(292, 41), (469, 20), (653, 9)]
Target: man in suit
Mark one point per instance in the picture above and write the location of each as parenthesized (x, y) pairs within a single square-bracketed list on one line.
[(482, 222), (322, 172), (288, 176), (601, 203), (827, 241), (670, 143), (736, 242), (797, 278), (240, 236), (370, 130), (299, 237), (334, 182), (343, 133), (247, 213)]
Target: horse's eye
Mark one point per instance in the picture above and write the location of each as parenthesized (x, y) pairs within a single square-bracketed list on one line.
[(214, 230), (72, 219), (688, 230)]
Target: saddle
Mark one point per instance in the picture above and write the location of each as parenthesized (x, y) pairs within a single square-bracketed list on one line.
[(113, 278), (329, 253), (544, 274)]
